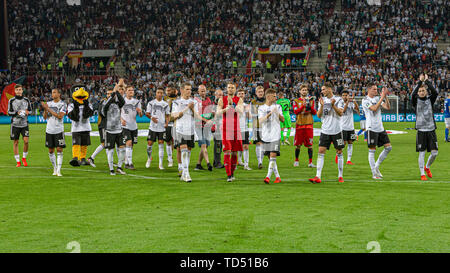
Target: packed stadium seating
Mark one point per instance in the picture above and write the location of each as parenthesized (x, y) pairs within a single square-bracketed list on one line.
[(197, 41)]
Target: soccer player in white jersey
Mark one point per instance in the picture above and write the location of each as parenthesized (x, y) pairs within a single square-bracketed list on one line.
[(184, 112), (376, 135), (130, 110), (270, 115), (348, 123), (171, 95), (243, 123), (111, 110), (330, 111), (54, 112), (422, 99), (254, 104), (158, 112)]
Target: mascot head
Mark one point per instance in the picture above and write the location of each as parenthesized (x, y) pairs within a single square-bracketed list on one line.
[(79, 94)]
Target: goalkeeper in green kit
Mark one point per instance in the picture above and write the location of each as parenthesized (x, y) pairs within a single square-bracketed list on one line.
[(285, 107)]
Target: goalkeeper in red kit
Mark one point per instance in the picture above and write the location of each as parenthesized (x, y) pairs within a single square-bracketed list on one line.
[(231, 107)]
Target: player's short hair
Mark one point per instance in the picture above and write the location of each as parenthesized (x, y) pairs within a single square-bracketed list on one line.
[(304, 85), (128, 86), (233, 83), (18, 86), (344, 92), (57, 89), (370, 84), (240, 90), (171, 85), (270, 91), (160, 87), (259, 87), (328, 85), (183, 85)]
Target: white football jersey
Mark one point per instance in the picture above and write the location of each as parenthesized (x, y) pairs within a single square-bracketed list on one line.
[(374, 121), (347, 121), (244, 119), (158, 109), (54, 124), (270, 129), (129, 113), (331, 121), (186, 124)]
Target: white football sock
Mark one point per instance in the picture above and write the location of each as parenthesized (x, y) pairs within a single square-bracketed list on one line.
[(275, 168), (149, 152), (189, 156), (185, 161), (161, 153), (17, 157), (110, 156), (340, 164), (258, 150), (25, 154), (431, 158), (383, 156), (270, 167), (422, 162), (320, 159), (129, 155), (372, 160), (169, 152), (121, 156), (240, 157), (246, 155), (349, 152), (97, 151), (52, 159), (59, 161)]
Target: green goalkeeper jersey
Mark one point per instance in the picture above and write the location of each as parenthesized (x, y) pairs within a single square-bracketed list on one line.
[(285, 105)]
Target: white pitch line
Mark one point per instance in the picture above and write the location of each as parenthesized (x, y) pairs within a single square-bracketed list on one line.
[(92, 171), (244, 179)]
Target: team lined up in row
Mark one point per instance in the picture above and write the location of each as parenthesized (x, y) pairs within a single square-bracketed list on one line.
[(180, 121)]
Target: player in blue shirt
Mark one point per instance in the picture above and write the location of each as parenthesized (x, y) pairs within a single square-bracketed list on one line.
[(362, 122), (447, 117)]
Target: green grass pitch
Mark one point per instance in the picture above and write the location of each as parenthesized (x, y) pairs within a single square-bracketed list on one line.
[(152, 211)]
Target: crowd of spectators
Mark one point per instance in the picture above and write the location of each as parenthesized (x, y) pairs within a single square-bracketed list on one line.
[(199, 41), (392, 43), (36, 30)]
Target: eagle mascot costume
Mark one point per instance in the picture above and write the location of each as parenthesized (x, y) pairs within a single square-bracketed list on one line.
[(79, 111)]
